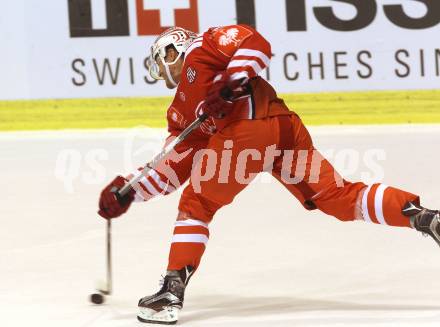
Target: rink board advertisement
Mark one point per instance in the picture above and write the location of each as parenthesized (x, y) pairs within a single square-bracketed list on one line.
[(97, 48)]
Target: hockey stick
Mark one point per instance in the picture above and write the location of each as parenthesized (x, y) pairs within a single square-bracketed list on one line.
[(98, 298), (132, 184), (122, 193)]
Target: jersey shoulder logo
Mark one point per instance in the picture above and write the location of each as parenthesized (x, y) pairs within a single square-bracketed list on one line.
[(229, 38), (191, 75)]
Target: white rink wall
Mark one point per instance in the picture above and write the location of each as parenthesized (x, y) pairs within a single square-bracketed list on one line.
[(54, 50)]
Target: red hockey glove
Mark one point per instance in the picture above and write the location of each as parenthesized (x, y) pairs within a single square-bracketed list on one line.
[(219, 99), (109, 205)]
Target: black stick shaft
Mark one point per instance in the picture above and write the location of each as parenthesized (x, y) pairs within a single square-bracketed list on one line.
[(109, 257)]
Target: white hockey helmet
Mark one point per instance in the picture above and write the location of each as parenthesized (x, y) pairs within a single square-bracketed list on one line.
[(178, 37)]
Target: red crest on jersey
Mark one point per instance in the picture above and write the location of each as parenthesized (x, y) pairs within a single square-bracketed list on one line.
[(229, 38), (176, 117)]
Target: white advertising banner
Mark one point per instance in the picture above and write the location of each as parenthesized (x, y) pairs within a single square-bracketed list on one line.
[(97, 48)]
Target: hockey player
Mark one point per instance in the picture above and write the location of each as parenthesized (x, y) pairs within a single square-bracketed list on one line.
[(217, 73)]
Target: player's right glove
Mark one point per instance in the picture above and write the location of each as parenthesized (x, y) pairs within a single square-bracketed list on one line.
[(109, 204), (219, 99)]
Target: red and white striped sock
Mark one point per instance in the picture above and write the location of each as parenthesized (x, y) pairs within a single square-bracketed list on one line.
[(382, 204), (188, 243)]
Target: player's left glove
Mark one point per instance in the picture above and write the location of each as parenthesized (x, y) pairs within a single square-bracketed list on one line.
[(219, 99), (109, 204)]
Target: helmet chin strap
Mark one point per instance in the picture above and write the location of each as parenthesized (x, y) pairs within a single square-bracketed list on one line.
[(170, 78)]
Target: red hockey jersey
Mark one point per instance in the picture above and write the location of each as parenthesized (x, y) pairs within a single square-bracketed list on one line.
[(243, 53)]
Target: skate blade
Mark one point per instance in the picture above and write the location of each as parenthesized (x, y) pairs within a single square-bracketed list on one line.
[(168, 316)]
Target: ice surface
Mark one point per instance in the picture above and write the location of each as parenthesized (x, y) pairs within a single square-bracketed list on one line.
[(268, 261)]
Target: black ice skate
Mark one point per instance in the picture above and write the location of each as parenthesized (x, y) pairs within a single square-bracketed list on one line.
[(164, 306), (424, 220)]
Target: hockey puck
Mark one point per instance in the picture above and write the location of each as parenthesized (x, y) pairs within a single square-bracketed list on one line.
[(97, 298)]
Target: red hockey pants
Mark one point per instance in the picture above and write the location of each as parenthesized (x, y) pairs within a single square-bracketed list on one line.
[(283, 146)]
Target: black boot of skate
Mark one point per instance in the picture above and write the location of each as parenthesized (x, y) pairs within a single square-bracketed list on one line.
[(424, 220), (164, 306)]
